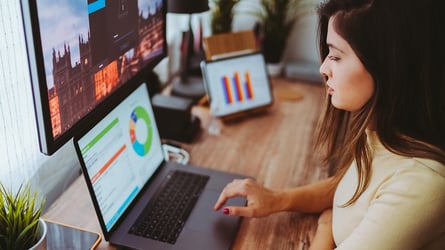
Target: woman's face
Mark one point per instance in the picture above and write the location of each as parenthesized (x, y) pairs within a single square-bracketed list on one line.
[(348, 82)]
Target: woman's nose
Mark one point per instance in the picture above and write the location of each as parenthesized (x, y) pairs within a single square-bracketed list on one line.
[(324, 71)]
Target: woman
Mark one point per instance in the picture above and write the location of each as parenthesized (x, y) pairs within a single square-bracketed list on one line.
[(383, 130)]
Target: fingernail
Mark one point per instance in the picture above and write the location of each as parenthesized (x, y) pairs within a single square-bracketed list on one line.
[(226, 210)]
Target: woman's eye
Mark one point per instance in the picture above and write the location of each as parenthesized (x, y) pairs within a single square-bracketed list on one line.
[(333, 58)]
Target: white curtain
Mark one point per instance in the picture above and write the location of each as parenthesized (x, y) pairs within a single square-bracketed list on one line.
[(19, 148)]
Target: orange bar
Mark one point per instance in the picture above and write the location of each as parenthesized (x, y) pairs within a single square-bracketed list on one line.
[(239, 93), (228, 89), (108, 164), (249, 86)]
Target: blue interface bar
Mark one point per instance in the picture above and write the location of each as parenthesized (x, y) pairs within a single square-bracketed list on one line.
[(95, 6)]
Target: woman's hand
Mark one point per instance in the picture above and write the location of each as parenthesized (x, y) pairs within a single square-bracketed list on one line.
[(260, 200)]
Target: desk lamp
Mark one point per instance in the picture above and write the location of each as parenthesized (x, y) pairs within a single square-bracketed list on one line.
[(188, 86)]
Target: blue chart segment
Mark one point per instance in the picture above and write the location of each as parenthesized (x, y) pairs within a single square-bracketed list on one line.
[(139, 114)]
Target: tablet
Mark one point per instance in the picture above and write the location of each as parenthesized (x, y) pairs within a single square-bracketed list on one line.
[(62, 236), (237, 85)]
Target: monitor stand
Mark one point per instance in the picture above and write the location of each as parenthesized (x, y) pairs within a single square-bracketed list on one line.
[(192, 88)]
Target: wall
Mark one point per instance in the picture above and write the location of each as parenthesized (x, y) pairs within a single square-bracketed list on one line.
[(302, 43)]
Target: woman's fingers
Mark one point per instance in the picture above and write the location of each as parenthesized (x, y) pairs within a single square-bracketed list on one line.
[(231, 190), (259, 199), (238, 211)]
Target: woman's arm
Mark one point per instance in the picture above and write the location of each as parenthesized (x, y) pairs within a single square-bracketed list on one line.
[(261, 201), (323, 239), (311, 198)]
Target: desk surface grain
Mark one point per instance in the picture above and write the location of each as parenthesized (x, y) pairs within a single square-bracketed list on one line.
[(274, 147)]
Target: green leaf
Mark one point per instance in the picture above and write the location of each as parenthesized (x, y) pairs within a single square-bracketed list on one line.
[(19, 217)]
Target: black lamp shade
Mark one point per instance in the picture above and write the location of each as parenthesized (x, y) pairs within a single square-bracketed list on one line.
[(187, 6)]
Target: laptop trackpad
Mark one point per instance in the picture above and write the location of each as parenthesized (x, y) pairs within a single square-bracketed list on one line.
[(204, 218)]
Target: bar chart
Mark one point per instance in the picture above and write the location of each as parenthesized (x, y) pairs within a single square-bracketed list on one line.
[(237, 84), (237, 89)]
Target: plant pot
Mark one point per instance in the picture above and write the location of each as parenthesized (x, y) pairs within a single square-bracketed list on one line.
[(41, 244), (274, 69)]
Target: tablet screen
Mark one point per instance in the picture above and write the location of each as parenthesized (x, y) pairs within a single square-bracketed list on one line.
[(237, 84), (61, 236)]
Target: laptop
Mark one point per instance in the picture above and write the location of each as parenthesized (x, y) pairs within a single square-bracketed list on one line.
[(122, 160), (237, 84)]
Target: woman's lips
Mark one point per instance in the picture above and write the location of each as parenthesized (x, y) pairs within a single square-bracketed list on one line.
[(330, 90)]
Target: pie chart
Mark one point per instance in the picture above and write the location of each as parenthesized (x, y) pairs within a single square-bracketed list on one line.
[(141, 134)]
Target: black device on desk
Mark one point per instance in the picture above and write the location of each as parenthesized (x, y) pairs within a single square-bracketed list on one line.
[(62, 236), (174, 118)]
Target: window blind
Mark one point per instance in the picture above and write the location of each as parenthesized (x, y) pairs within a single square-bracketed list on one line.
[(19, 148)]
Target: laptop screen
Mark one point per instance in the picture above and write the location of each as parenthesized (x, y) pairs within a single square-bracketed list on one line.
[(121, 153), (237, 84)]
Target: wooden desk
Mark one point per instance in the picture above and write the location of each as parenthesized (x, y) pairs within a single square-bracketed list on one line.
[(274, 147)]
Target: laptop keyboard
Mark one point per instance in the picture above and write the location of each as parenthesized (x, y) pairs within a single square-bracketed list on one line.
[(166, 213)]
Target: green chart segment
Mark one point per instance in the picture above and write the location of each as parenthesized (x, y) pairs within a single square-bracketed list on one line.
[(139, 114)]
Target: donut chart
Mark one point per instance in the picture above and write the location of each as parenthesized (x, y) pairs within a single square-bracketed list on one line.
[(138, 115)]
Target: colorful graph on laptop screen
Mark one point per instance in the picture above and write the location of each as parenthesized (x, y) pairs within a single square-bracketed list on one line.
[(140, 135), (121, 153)]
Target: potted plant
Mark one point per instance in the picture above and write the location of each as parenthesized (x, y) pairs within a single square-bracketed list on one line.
[(276, 20), (20, 224), (222, 16)]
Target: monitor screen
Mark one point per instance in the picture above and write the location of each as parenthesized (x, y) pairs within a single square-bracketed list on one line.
[(81, 51)]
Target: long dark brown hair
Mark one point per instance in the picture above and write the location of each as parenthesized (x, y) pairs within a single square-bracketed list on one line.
[(400, 44)]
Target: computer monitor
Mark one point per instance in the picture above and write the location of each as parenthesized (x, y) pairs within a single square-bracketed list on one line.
[(80, 52)]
